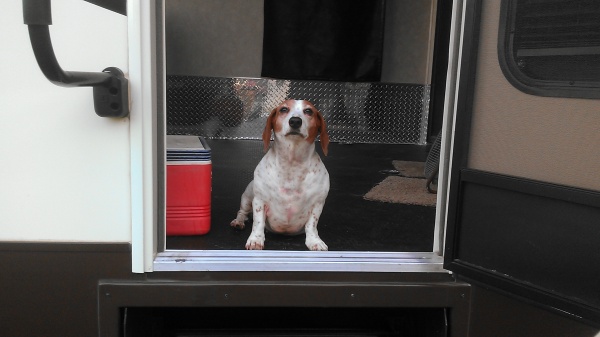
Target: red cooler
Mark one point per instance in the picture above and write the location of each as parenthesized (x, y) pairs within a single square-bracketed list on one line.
[(189, 171)]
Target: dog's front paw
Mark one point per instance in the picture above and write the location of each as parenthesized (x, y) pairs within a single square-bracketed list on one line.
[(316, 244), (255, 242), (237, 224)]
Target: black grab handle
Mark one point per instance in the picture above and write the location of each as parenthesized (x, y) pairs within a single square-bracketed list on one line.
[(111, 92)]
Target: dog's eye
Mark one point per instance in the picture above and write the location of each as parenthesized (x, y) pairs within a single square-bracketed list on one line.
[(308, 112), (284, 110)]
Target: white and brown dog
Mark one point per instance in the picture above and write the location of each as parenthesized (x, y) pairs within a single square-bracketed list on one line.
[(290, 182)]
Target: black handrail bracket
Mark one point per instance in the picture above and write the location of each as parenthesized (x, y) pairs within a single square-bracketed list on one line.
[(111, 88)]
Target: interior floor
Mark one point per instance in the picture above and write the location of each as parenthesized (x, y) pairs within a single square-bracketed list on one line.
[(348, 222)]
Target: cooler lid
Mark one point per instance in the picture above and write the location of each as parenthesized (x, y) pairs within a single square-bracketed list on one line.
[(187, 148)]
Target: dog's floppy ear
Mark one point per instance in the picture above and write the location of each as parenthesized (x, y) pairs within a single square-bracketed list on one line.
[(323, 136), (268, 127)]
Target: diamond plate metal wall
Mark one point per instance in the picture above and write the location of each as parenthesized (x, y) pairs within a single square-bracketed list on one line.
[(236, 108)]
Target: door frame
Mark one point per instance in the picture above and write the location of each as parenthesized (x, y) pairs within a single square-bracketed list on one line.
[(148, 244), (465, 213)]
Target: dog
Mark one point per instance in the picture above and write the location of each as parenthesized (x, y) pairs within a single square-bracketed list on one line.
[(290, 182)]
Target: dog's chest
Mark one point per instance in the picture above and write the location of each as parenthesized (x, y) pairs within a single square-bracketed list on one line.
[(290, 192), (291, 178), (291, 182)]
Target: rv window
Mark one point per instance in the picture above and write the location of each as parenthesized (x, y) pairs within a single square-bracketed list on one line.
[(551, 48)]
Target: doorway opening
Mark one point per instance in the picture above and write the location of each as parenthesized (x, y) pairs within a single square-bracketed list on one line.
[(381, 130)]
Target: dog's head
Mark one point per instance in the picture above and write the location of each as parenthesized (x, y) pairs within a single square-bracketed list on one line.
[(296, 118)]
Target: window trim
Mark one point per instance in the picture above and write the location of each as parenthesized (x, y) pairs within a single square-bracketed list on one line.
[(526, 84), (146, 125)]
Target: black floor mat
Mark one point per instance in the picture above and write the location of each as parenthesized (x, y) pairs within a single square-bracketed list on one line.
[(348, 222)]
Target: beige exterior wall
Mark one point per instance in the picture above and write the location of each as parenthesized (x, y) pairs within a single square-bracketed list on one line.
[(554, 140), (65, 173)]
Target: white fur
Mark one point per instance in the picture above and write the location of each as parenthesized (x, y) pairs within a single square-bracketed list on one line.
[(290, 185)]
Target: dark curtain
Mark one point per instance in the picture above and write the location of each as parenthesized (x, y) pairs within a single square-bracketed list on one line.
[(336, 40)]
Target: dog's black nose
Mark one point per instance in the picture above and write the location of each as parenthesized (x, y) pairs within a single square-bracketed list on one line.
[(295, 122)]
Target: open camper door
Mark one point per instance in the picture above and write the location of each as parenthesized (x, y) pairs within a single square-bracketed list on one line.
[(524, 197)]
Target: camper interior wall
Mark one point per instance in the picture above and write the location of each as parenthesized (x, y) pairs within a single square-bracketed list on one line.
[(233, 32), (65, 172)]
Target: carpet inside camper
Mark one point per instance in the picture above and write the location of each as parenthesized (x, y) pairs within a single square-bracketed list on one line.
[(350, 221)]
